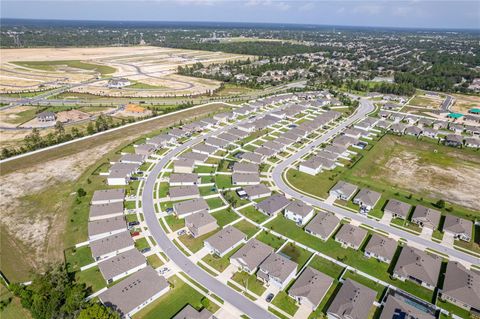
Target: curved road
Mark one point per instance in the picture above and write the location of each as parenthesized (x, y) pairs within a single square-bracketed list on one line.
[(230, 296), (277, 174)]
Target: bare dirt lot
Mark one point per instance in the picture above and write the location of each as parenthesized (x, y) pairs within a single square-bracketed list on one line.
[(37, 194), (463, 103)]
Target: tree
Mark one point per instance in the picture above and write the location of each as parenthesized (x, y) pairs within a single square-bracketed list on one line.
[(81, 192), (97, 311), (90, 128), (59, 129), (440, 203)]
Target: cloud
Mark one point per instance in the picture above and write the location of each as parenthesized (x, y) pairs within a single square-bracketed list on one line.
[(402, 11), (370, 9), (308, 6), (280, 5)]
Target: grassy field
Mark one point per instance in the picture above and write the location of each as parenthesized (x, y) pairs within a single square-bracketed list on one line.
[(13, 308), (195, 244), (53, 66), (271, 240), (283, 301), (253, 214), (425, 101), (225, 216), (246, 227), (326, 266), (92, 278), (179, 296), (250, 281), (296, 254), (220, 263)]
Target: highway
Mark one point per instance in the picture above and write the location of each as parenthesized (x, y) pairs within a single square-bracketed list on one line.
[(243, 304), (277, 175)]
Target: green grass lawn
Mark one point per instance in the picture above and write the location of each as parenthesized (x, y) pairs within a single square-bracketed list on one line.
[(326, 266), (163, 190), (179, 296), (220, 263), (131, 218), (174, 222), (204, 169), (207, 190), (253, 214), (92, 278), (52, 65), (154, 261), (283, 301), (246, 227), (250, 281), (271, 240), (78, 257), (223, 181), (234, 200), (195, 244), (215, 202), (141, 243), (462, 313), (225, 216), (12, 308), (297, 254)]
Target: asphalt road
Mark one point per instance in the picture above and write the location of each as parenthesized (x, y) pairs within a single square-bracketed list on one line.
[(365, 108), (229, 295)]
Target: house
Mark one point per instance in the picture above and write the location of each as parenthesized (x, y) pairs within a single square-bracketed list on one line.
[(343, 190), (458, 227), (135, 292), (426, 217), (225, 241), (299, 212), (222, 117), (340, 150), (241, 167), (453, 140), (106, 227), (381, 248), (330, 157), (121, 265), (188, 207), (457, 128), (472, 142), (188, 312), (383, 124), (353, 301), (398, 128), (461, 287), (246, 127), (132, 159), (398, 209), (367, 199), (277, 147), (200, 223), (440, 125), (424, 122), (118, 83), (251, 255), (120, 173), (161, 140), (228, 137), (110, 246), (257, 191), (413, 131), (216, 142), (144, 149), (177, 133), (418, 266), (197, 158), (204, 149), (108, 196), (109, 210), (245, 179), (344, 141), (310, 287), (252, 157), (265, 152), (351, 236), (277, 271), (183, 165), (178, 193), (398, 307), (323, 225), (182, 179), (430, 132), (272, 205), (46, 117), (312, 166), (410, 119), (353, 132), (238, 133)]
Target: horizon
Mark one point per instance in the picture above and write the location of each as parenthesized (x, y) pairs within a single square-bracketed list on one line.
[(410, 14)]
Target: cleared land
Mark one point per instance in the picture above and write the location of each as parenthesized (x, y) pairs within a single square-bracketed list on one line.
[(40, 216), (463, 103), (424, 101)]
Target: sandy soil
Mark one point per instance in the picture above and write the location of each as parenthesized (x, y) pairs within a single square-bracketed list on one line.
[(465, 102)]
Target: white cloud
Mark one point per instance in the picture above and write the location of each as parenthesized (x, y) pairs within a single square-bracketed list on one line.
[(307, 6), (370, 9)]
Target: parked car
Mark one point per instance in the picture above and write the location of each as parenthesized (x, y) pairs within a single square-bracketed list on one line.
[(181, 232), (169, 210), (134, 223), (269, 297), (135, 233), (145, 250)]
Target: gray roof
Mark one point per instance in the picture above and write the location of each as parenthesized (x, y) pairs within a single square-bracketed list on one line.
[(204, 148), (290, 136), (228, 137), (109, 195), (253, 253), (144, 149), (200, 157), (216, 142), (100, 210), (462, 284), (336, 149), (398, 127), (252, 157), (132, 158), (191, 313), (264, 151), (351, 234), (418, 264), (396, 308), (428, 216), (458, 225), (278, 266), (124, 167), (134, 290), (343, 140), (312, 285), (199, 219), (245, 167), (121, 263), (415, 130), (353, 300), (345, 188), (112, 243), (184, 162), (183, 178), (225, 239), (257, 190), (190, 206), (106, 225), (273, 145), (327, 155), (381, 246), (367, 196), (182, 191), (243, 178), (323, 224), (299, 208), (239, 133), (160, 139), (273, 204), (454, 138), (397, 207)]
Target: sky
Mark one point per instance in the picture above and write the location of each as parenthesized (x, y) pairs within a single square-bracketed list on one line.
[(384, 13)]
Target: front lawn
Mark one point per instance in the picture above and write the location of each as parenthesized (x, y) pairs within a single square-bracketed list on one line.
[(220, 263), (195, 244), (283, 301), (174, 222), (250, 281), (141, 243), (154, 261)]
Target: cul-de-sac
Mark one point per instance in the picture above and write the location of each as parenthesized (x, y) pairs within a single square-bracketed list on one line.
[(184, 170)]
